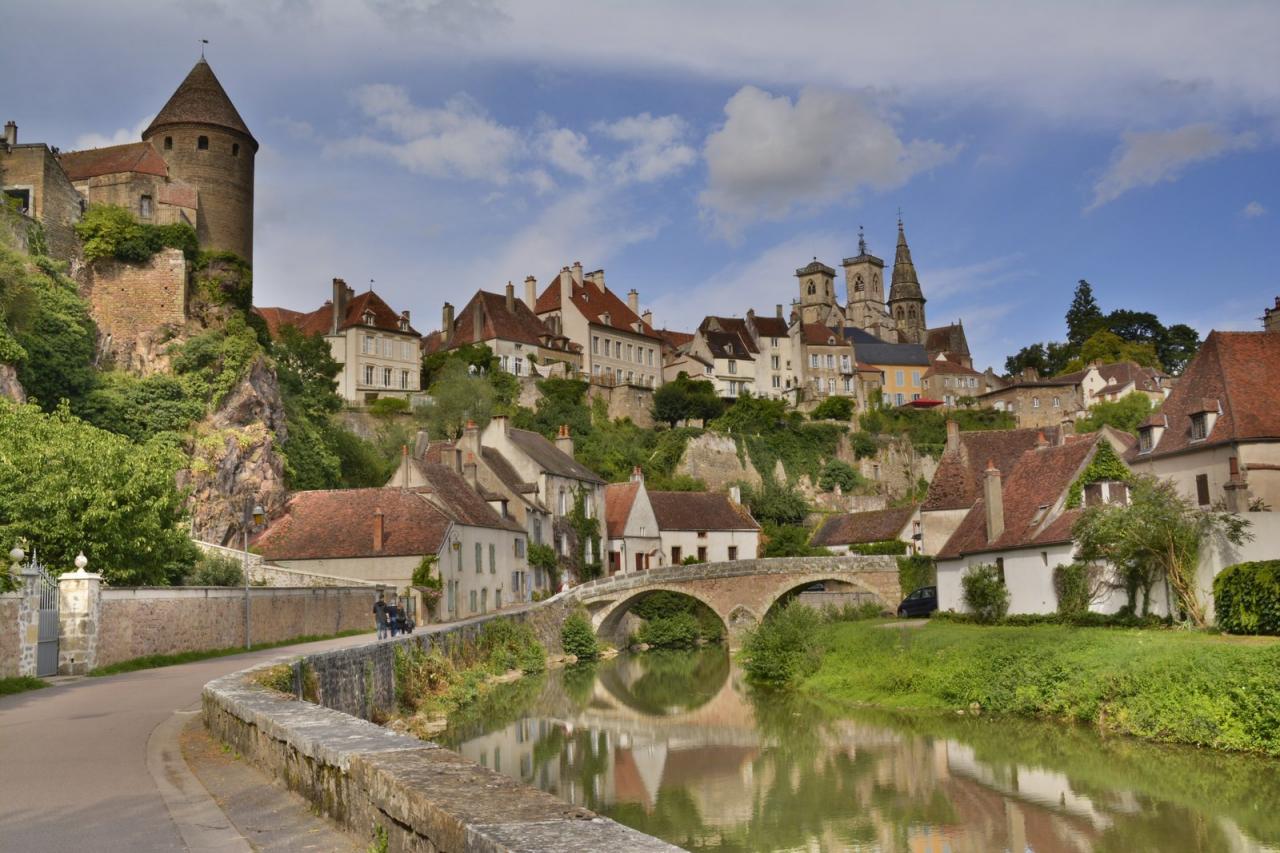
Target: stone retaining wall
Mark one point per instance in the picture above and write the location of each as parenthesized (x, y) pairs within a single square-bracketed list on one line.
[(141, 621), (415, 794), (10, 603)]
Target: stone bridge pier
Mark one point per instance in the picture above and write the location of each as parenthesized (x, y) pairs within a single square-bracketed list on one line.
[(740, 592)]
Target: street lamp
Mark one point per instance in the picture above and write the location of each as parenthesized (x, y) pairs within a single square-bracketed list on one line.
[(253, 517)]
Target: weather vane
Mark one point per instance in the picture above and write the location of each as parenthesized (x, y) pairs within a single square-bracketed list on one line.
[(203, 42)]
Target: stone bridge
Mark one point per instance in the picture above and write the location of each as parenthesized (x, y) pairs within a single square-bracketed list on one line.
[(740, 592)]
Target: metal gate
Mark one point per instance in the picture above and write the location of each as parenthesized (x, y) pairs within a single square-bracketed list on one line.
[(47, 640)]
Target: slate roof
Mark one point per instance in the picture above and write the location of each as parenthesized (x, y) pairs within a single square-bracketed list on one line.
[(454, 496), (950, 338), (726, 345), (320, 321), (958, 481), (734, 326), (338, 523), (769, 326), (593, 303), (860, 527), (1234, 370), (503, 470), (200, 99), (519, 324), (904, 284), (815, 266), (699, 511), (618, 500), (140, 157), (875, 351), (550, 458), (1038, 480)]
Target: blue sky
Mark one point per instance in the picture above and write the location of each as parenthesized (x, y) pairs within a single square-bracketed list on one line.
[(700, 152)]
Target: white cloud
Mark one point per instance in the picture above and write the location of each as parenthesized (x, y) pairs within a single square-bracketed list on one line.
[(567, 151), (121, 136), (772, 154), (1253, 210), (656, 147), (456, 141), (1147, 158)]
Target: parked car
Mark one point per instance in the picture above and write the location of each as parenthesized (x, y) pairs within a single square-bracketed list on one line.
[(920, 602)]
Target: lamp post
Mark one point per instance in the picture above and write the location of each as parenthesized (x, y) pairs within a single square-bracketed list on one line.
[(253, 516)]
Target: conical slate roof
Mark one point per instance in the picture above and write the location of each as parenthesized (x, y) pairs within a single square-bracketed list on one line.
[(905, 285), (200, 99)]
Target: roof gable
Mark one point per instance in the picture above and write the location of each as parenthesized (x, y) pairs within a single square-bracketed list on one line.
[(138, 157), (339, 523), (550, 458), (595, 304), (699, 511), (852, 528), (957, 483)]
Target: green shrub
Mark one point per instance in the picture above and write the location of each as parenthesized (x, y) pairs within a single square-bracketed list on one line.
[(679, 631), (578, 638), (691, 560), (852, 612), (916, 571), (775, 504), (833, 408), (421, 677), (864, 445), (985, 594), (386, 407), (110, 231), (884, 546), (506, 645), (789, 540), (1071, 583), (837, 473), (785, 648), (1087, 619), (1246, 598), (216, 570)]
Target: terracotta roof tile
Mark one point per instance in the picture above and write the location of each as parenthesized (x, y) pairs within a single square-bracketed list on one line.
[(699, 511), (674, 339), (320, 321), (518, 324), (726, 345), (818, 335), (618, 500), (454, 496), (593, 303), (769, 326), (958, 481), (334, 524), (139, 157), (860, 527)]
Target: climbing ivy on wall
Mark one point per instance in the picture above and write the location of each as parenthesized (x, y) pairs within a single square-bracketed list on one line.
[(587, 528), (1105, 465)]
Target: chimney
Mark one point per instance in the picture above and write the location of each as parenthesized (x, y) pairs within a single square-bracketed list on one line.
[(778, 310), (735, 494), (994, 498), (446, 324), (1236, 488), (1066, 429), (531, 292), (953, 436), (511, 298), (477, 322), (404, 466), (456, 453), (1041, 441), (377, 529), (470, 441), (633, 301), (10, 133), (647, 316), (577, 273), (637, 475), (470, 470), (339, 305), (597, 278), (564, 441), (566, 288), (501, 422), (1270, 316)]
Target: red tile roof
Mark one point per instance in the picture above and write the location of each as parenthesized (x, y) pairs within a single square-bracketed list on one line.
[(334, 524), (320, 321), (277, 318), (699, 511), (200, 99), (518, 324), (593, 303), (769, 326), (1038, 481), (860, 527), (818, 335), (453, 495), (958, 481), (1236, 370), (618, 500), (139, 157), (939, 366), (675, 339)]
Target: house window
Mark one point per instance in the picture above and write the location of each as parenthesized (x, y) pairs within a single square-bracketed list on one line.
[(519, 548), (202, 142), (144, 207), (493, 559), (168, 143), (777, 381), (497, 605), (1202, 489), (474, 596), (519, 363), (774, 362), (484, 600), (368, 374), (733, 366), (564, 502), (675, 555), (831, 386), (1199, 427), (831, 361), (900, 377), (617, 349), (479, 558), (649, 357), (367, 345), (733, 552), (404, 380), (617, 375), (630, 376), (813, 360), (386, 377), (702, 553), (915, 378), (235, 149), (1035, 402), (1145, 442), (629, 352), (899, 399), (1057, 402), (595, 344), (537, 531)]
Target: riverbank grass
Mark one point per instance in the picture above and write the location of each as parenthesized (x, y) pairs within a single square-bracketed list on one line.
[(20, 684), (1170, 686)]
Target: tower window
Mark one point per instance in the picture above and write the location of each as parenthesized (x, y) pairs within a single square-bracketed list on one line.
[(235, 149), (202, 142), (168, 143)]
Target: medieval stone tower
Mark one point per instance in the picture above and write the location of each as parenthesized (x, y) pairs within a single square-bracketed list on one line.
[(864, 282), (906, 302), (204, 142), (817, 292)]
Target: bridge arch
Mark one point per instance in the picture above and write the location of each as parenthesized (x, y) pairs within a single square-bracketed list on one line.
[(837, 591), (609, 618)]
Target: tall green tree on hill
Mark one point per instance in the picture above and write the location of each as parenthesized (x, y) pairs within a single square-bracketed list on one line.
[(1084, 317), (686, 399)]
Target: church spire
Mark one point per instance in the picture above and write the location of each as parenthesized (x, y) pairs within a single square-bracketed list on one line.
[(905, 284), (200, 99)]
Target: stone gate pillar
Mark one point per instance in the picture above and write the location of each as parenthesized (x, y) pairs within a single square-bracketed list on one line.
[(79, 615), (28, 618)]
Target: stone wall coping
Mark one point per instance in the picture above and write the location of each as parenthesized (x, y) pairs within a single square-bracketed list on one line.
[(171, 592), (428, 793), (859, 563)]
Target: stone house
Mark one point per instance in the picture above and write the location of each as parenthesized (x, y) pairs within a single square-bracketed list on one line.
[(1021, 523), (1217, 436), (692, 365), (774, 373), (728, 346), (950, 342), (648, 529), (901, 366), (34, 183), (949, 382), (841, 531), (1110, 382), (1037, 402), (133, 176), (382, 535), (523, 344), (377, 348), (827, 365), (619, 345)]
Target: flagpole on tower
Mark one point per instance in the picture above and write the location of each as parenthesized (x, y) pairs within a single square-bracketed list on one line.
[(203, 42)]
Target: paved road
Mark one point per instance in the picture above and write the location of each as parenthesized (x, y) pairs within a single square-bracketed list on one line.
[(73, 757)]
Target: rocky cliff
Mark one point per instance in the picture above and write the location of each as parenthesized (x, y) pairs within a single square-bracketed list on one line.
[(10, 387)]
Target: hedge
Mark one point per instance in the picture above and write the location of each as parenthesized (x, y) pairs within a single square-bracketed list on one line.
[(1246, 598), (884, 546)]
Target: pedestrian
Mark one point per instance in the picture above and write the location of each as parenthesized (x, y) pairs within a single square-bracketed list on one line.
[(393, 616), (380, 616)]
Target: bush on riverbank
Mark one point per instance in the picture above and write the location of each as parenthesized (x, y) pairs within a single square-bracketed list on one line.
[(508, 645), (785, 648), (1087, 619), (578, 638), (985, 594), (1177, 687), (677, 621), (677, 631), (1246, 598)]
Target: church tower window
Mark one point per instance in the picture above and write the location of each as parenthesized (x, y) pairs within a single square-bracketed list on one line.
[(235, 149), (859, 285), (202, 143), (168, 143), (812, 290)]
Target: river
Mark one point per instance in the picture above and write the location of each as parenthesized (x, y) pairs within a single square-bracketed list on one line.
[(676, 745)]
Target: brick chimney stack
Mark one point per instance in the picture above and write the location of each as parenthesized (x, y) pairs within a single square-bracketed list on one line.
[(953, 436), (633, 301), (446, 324), (1041, 441), (377, 528), (11, 134), (993, 495), (339, 305), (637, 474), (531, 292), (511, 298), (1270, 316), (566, 288), (1065, 430), (564, 441), (778, 309), (471, 470), (577, 273)]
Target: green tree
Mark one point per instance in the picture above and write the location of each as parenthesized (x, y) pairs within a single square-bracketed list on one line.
[(307, 371), (833, 408), (1179, 344), (110, 231), (457, 396), (1125, 414), (66, 485), (50, 335), (1158, 534), (842, 474), (563, 401), (1109, 348), (775, 504), (1084, 317), (686, 399)]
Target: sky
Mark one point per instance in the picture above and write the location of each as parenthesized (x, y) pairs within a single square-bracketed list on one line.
[(701, 152)]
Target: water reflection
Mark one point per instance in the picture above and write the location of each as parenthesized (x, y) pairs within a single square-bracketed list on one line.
[(675, 745)]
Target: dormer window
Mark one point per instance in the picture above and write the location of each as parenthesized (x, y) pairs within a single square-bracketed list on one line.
[(367, 318), (1146, 440), (1199, 426), (404, 324)]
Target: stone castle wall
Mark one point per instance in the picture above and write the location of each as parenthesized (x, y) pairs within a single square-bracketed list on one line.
[(55, 202), (10, 604), (136, 622), (223, 173), (137, 307), (625, 401)]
